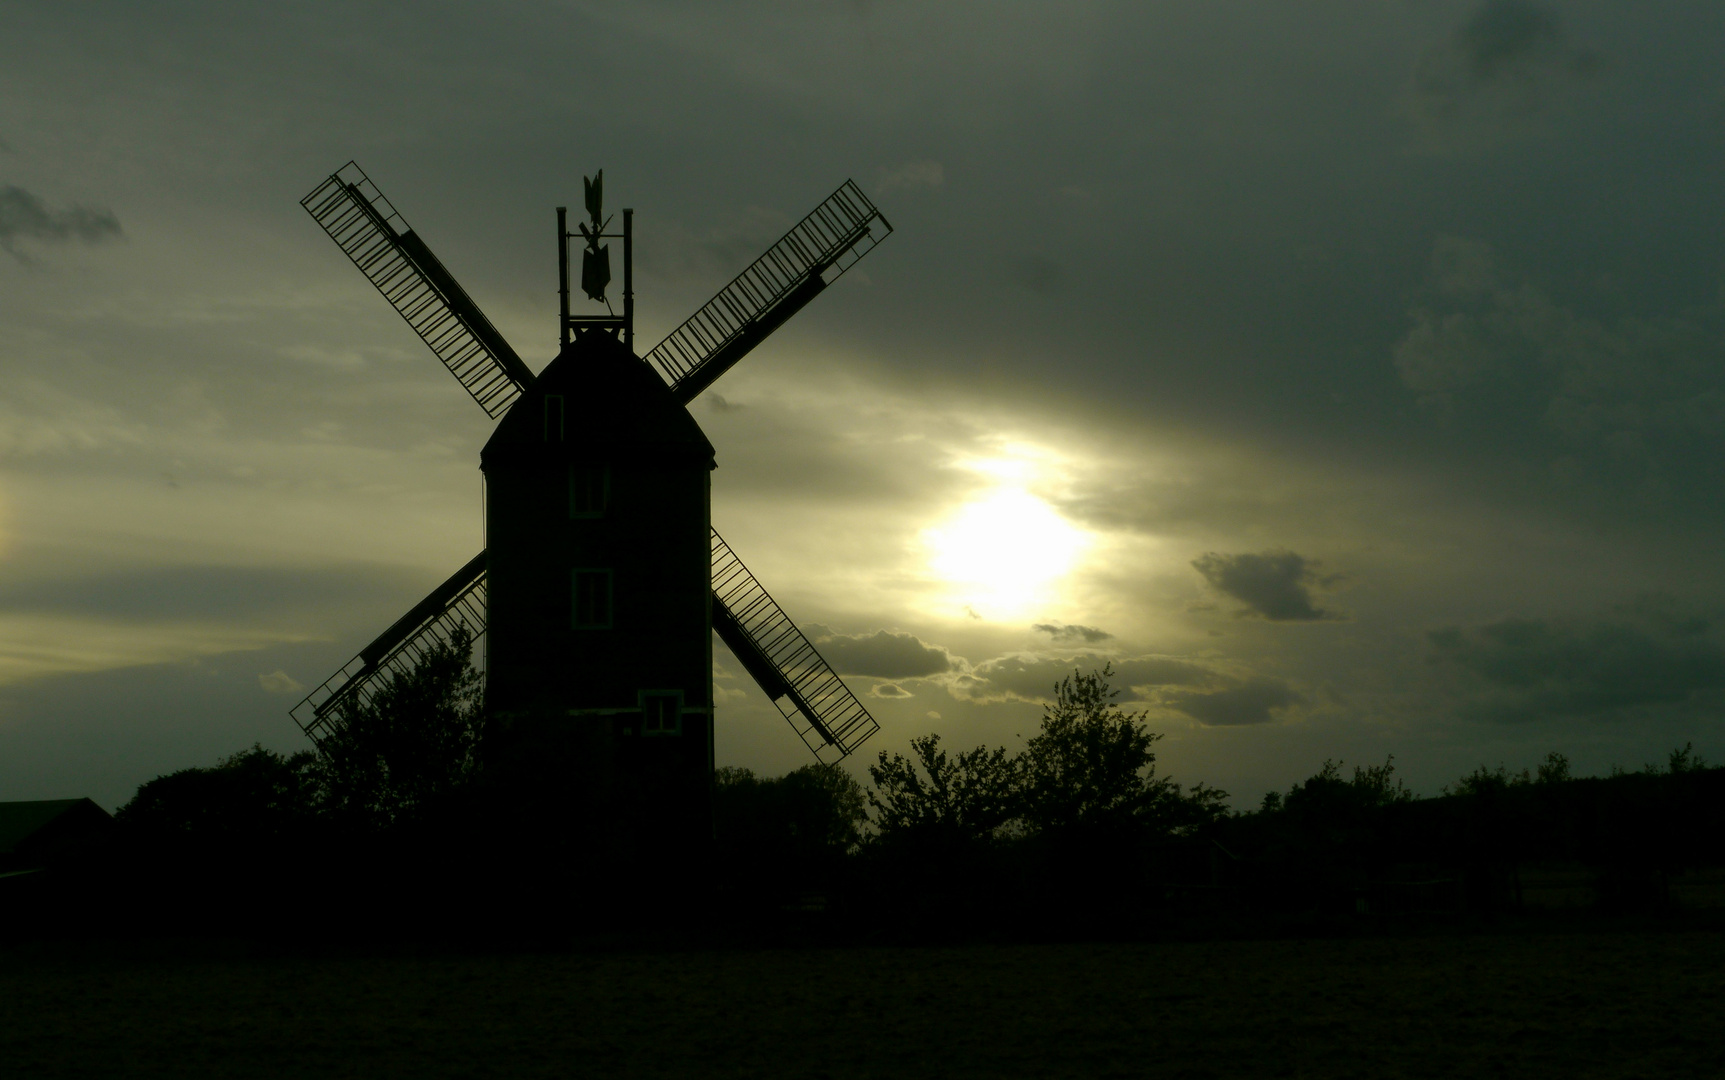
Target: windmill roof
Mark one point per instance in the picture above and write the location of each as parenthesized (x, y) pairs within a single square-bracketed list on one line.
[(611, 401)]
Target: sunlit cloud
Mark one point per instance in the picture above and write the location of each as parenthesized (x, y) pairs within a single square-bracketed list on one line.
[(35, 646)]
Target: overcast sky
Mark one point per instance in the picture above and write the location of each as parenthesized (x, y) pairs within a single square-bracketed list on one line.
[(1350, 375)]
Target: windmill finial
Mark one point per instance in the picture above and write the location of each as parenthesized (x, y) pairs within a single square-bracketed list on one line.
[(596, 260), (595, 196)]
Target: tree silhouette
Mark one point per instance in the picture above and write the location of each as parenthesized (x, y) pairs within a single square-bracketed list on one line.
[(414, 741), (254, 794), (1091, 769), (782, 838), (941, 799)]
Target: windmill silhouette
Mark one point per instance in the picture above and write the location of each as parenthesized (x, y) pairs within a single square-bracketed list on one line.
[(602, 580)]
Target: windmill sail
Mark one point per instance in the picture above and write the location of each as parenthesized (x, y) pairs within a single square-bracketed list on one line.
[(457, 602), (393, 257), (774, 287), (822, 709)]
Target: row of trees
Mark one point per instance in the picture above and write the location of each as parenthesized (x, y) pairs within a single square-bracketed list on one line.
[(1078, 819), (417, 743)]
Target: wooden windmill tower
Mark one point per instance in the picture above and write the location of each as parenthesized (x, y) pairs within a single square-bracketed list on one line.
[(603, 580)]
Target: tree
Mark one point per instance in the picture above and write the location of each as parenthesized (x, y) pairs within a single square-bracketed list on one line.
[(1091, 770), (814, 811), (1686, 760), (940, 799), (783, 837), (413, 742), (253, 794), (1326, 803), (826, 809), (1378, 785)]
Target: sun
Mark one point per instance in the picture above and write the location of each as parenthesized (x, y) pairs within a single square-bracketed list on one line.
[(1003, 554)]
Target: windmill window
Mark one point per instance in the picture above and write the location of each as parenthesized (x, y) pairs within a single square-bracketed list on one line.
[(661, 712), (591, 609), (553, 418), (589, 490)]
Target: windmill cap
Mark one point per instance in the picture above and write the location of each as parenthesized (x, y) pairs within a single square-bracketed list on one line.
[(611, 404)]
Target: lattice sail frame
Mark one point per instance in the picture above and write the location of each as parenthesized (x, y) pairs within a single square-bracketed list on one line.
[(811, 697), (371, 232), (818, 705), (814, 253), (362, 677)]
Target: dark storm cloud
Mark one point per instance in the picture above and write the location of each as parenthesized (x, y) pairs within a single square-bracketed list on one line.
[(1090, 635), (1634, 401), (1504, 33), (1249, 702), (1276, 585), (24, 216), (1509, 61), (204, 592), (1646, 656), (1033, 678), (882, 655)]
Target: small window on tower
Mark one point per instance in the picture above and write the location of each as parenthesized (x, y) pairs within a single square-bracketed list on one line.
[(553, 418), (589, 490), (592, 600), (661, 712)]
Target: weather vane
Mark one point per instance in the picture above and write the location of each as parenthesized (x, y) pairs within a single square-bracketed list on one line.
[(596, 265)]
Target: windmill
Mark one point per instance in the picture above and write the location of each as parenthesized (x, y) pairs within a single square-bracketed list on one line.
[(603, 581)]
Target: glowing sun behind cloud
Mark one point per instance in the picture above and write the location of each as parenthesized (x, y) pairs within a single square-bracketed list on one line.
[(1003, 554)]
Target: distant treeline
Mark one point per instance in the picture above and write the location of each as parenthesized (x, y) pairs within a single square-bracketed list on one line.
[(398, 825)]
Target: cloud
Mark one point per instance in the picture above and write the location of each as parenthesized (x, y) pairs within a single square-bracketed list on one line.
[(881, 655), (205, 592), (911, 175), (1451, 350), (1503, 34), (1249, 702), (24, 216), (1489, 80), (1276, 585), (1637, 398), (1090, 635), (279, 682), (1023, 677), (1647, 655), (889, 690)]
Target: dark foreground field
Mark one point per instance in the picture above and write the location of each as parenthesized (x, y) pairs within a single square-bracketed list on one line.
[(1571, 1005)]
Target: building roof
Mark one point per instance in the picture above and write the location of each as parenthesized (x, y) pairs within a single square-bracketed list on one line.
[(612, 403), (22, 822)]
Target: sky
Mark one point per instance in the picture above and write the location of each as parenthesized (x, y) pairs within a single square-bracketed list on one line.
[(1349, 376)]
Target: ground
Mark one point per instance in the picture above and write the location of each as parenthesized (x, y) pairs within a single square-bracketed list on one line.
[(1533, 1005)]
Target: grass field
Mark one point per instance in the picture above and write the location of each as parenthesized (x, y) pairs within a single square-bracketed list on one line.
[(1550, 1005)]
